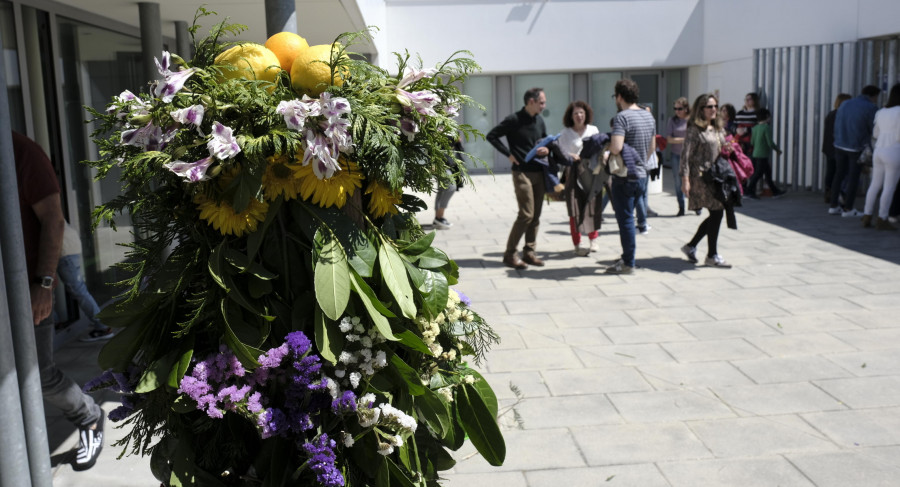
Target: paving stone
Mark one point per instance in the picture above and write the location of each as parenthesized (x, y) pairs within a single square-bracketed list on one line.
[(666, 406), (532, 359), (832, 290), (866, 427), (874, 301), (740, 310), (638, 443), (567, 292), (886, 318), (762, 472), (855, 468), (769, 399), (693, 376), (868, 363), (603, 303), (624, 355), (527, 450), (799, 344), (643, 475), (797, 305), (530, 384), (581, 319), (585, 337), (541, 307), (810, 323), (594, 381), (682, 314), (648, 334), (496, 479), (864, 392), (567, 411), (747, 437), (792, 369), (881, 339), (721, 329), (543, 339), (712, 350), (534, 321)]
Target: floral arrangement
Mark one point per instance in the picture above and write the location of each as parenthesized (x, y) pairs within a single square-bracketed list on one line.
[(286, 320)]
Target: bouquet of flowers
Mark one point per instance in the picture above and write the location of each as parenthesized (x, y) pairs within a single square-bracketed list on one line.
[(286, 320)]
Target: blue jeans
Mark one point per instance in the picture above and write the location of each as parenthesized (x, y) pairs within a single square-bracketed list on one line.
[(675, 162), (624, 194), (640, 206), (845, 166), (69, 271)]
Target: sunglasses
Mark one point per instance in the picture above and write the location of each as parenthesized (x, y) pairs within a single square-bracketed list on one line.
[(714, 107), (678, 109)]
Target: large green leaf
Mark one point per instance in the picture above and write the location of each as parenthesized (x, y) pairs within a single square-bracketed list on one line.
[(484, 390), (255, 239), (155, 374), (183, 363), (432, 258), (480, 425), (122, 314), (249, 183), (244, 264), (217, 265), (119, 352), (329, 339), (420, 245), (435, 291), (332, 277), (393, 273), (359, 250), (245, 353), (435, 412), (413, 341), (415, 274), (368, 299), (409, 374), (398, 477)]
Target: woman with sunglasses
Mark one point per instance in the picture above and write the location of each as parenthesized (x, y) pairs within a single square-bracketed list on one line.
[(675, 130), (702, 144)]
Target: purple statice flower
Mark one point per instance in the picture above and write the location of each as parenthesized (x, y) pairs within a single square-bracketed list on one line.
[(254, 405), (295, 112), (322, 152), (297, 343), (345, 404), (321, 461), (422, 101), (272, 422), (173, 81), (191, 171), (463, 298), (222, 145), (192, 115), (272, 358), (123, 411), (411, 75)]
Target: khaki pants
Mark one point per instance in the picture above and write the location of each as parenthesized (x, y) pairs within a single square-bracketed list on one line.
[(529, 188)]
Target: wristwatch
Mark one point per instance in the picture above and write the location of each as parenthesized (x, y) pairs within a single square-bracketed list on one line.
[(46, 282)]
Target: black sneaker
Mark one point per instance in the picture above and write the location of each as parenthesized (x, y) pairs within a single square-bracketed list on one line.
[(442, 224), (89, 445), (98, 335)]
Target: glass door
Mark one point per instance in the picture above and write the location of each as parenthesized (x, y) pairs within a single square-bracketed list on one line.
[(650, 93)]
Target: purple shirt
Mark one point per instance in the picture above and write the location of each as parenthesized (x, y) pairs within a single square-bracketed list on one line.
[(676, 127)]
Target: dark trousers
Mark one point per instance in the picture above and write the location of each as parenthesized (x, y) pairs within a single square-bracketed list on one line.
[(845, 167), (624, 195), (709, 228), (762, 168), (829, 171)]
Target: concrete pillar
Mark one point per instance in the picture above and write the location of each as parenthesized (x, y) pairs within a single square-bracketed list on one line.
[(151, 38), (183, 46), (281, 16)]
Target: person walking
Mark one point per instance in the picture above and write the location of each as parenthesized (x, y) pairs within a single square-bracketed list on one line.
[(583, 207), (828, 144), (763, 145), (702, 146), (523, 130), (636, 127), (745, 120), (675, 130), (885, 162), (42, 231), (69, 271), (443, 195), (727, 113), (852, 132)]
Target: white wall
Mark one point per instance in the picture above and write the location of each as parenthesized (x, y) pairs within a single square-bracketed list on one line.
[(878, 17)]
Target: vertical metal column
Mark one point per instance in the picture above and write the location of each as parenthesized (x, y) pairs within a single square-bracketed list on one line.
[(840, 68), (770, 77), (281, 16), (763, 89), (183, 45), (804, 117), (151, 38), (783, 100), (892, 63), (756, 86), (870, 63), (817, 119), (795, 117)]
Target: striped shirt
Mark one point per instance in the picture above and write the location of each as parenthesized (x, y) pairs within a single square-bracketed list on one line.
[(638, 127)]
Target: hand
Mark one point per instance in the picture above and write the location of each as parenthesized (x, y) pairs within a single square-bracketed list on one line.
[(686, 187), (513, 160), (576, 157), (542, 151), (779, 152), (41, 303)]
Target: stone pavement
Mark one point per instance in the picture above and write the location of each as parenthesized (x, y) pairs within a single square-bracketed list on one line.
[(784, 370)]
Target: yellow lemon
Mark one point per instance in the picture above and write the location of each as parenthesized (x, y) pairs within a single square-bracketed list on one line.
[(286, 45), (312, 77), (253, 61)]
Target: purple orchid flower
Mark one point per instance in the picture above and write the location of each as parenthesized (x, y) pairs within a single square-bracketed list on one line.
[(322, 153), (192, 171), (338, 131), (409, 128), (192, 115), (422, 101), (333, 108), (411, 75), (222, 145), (174, 80), (147, 137), (295, 112)]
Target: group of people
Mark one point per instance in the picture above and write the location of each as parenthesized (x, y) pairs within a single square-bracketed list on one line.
[(857, 135), (696, 135)]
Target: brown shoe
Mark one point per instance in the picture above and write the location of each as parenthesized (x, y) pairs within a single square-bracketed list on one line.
[(879, 225), (513, 260), (532, 258), (867, 221)]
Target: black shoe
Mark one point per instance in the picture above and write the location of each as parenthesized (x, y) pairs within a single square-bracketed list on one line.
[(680, 212), (90, 444)]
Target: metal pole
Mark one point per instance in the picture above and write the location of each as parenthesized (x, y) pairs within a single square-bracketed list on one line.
[(770, 78), (892, 63), (761, 66), (183, 40), (784, 93), (840, 66), (817, 120), (151, 38), (281, 16), (756, 86), (804, 120), (24, 458)]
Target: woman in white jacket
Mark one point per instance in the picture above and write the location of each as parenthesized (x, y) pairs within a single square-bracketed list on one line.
[(885, 161), (584, 209)]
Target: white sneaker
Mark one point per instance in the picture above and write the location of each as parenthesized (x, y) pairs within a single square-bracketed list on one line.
[(595, 244), (892, 219), (835, 211), (717, 261), (582, 251), (850, 213), (690, 253), (442, 224), (645, 230)]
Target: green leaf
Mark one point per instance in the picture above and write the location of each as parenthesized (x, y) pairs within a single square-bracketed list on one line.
[(245, 353), (153, 375), (182, 364), (360, 252), (329, 339), (420, 245), (258, 287), (217, 265), (249, 183), (435, 291), (484, 390), (122, 314), (237, 295), (255, 239), (243, 263), (432, 258), (435, 412), (398, 477), (413, 341), (480, 425), (393, 273), (332, 278), (368, 299), (119, 352), (409, 374), (415, 274)]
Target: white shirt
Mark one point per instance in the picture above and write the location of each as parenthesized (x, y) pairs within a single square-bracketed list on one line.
[(887, 127), (570, 140)]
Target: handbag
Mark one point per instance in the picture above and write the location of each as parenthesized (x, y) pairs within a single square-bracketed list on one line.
[(617, 165), (865, 157)]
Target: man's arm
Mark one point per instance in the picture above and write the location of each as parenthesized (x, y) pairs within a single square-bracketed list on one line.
[(501, 130), (49, 212), (616, 144)]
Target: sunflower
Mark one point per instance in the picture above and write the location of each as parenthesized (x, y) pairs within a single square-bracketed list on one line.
[(383, 200), (332, 191), (279, 179), (221, 214)]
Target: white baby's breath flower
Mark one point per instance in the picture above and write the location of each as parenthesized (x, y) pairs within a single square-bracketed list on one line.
[(385, 449), (348, 439), (345, 325), (469, 379), (380, 359), (347, 358), (354, 379)]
